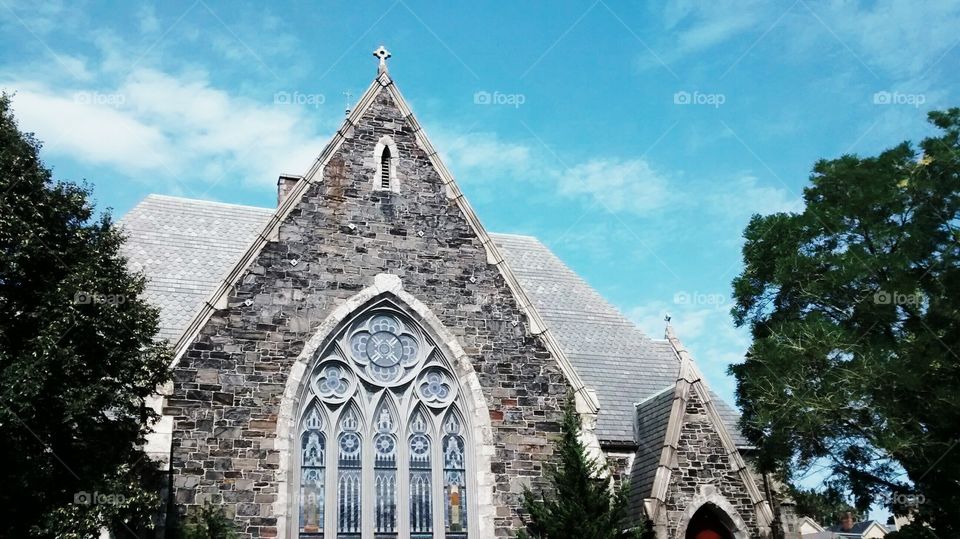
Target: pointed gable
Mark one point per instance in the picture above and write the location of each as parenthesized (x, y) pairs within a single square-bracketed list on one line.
[(697, 461)]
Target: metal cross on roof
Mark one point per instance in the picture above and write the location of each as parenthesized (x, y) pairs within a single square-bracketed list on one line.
[(382, 53)]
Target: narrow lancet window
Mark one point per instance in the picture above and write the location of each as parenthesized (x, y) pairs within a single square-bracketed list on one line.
[(421, 480), (312, 463), (385, 168), (454, 478), (385, 476), (348, 480)]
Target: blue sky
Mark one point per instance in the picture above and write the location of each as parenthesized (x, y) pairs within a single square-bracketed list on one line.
[(634, 140)]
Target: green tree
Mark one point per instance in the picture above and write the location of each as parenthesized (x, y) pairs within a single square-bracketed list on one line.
[(854, 309), (824, 506), (77, 358), (582, 503), (209, 522)]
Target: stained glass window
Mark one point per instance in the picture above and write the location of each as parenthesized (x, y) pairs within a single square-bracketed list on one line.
[(385, 476), (349, 464), (312, 460), (390, 397), (421, 480), (454, 478)]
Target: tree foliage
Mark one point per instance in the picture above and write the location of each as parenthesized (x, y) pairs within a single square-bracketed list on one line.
[(77, 357), (824, 506), (583, 503), (209, 522), (854, 309)]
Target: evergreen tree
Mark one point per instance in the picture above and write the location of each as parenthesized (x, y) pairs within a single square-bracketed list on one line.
[(583, 503), (77, 358)]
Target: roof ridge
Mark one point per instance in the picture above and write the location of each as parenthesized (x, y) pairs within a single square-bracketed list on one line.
[(210, 202), (515, 235)]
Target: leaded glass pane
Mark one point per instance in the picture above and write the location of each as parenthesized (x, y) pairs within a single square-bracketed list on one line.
[(454, 479), (312, 460), (349, 484), (421, 499), (311, 502)]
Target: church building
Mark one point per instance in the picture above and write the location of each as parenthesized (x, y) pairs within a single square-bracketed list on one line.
[(364, 360)]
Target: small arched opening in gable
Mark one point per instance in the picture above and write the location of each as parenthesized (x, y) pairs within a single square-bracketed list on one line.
[(386, 158)]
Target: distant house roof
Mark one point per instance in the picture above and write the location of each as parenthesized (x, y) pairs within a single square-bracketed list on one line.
[(185, 248), (859, 529)]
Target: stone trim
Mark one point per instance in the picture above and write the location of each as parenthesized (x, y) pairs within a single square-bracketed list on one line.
[(481, 481), (689, 380), (709, 496), (386, 142)]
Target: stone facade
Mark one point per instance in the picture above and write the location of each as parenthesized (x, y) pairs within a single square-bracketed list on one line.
[(230, 381), (705, 473)]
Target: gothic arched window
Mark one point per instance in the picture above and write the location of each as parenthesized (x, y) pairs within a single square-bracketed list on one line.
[(385, 153), (386, 397)]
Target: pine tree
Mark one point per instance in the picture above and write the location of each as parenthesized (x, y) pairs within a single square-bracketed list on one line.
[(583, 503), (77, 358)]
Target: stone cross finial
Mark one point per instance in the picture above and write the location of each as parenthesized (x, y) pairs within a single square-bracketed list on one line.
[(382, 53)]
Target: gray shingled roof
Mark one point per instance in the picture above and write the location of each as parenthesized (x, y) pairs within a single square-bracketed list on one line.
[(653, 416), (186, 247), (612, 355)]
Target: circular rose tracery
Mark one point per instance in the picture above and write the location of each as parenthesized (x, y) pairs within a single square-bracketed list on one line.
[(385, 347)]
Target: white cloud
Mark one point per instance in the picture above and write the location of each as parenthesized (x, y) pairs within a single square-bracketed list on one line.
[(478, 155), (71, 124), (179, 128), (899, 38), (620, 185), (743, 196)]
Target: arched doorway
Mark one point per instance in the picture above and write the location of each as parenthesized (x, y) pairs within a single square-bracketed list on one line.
[(708, 523)]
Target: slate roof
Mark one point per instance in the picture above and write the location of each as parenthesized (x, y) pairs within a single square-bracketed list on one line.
[(858, 529), (186, 247), (612, 355), (653, 415)]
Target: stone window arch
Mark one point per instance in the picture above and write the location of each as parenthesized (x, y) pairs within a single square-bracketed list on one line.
[(383, 397), (386, 157)]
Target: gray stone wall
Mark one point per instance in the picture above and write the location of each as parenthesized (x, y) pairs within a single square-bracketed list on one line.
[(229, 383), (702, 460)]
